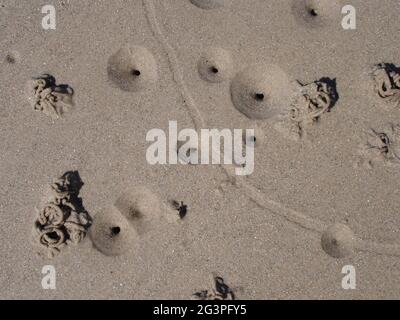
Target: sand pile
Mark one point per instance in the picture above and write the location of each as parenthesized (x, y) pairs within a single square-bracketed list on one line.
[(117, 229)]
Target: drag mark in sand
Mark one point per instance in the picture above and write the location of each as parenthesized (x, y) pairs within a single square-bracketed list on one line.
[(253, 193), (173, 64)]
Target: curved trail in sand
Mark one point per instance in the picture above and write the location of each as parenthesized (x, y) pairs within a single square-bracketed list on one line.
[(251, 192)]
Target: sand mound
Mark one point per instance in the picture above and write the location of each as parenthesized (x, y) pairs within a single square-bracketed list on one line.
[(261, 91), (316, 13), (215, 65), (132, 68), (338, 241), (208, 4), (139, 206), (111, 233)]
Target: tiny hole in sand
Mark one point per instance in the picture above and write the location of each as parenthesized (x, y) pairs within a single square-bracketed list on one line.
[(115, 231), (214, 70), (135, 72), (313, 12), (259, 96)]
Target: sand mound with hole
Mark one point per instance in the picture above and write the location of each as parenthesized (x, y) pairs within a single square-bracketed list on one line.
[(132, 68), (215, 65), (317, 13), (140, 206), (111, 233), (261, 91), (338, 241)]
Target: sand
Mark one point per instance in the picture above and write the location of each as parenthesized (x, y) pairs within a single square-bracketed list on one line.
[(325, 189)]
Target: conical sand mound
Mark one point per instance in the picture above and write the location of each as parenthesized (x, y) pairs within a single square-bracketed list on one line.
[(132, 68), (261, 91), (317, 13), (215, 65), (338, 241), (112, 234), (140, 207)]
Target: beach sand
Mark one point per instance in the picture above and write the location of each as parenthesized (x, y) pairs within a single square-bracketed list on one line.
[(316, 201)]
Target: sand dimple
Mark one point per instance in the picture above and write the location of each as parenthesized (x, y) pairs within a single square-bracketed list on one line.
[(208, 4), (13, 57), (49, 98), (338, 241), (132, 68), (112, 234), (63, 220), (316, 13), (215, 65), (261, 91), (141, 207)]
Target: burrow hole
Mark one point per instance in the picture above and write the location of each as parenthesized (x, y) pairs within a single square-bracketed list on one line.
[(135, 72), (259, 96), (214, 70), (115, 231), (313, 12)]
